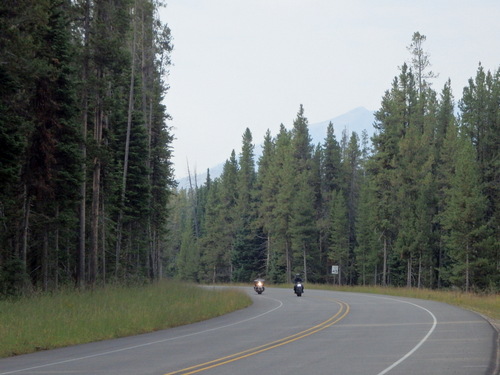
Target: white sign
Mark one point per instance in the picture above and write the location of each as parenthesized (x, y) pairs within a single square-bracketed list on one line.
[(335, 270)]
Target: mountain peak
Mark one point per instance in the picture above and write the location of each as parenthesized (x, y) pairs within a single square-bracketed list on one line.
[(355, 120)]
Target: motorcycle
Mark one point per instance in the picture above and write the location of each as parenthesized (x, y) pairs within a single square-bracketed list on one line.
[(258, 285), (298, 288)]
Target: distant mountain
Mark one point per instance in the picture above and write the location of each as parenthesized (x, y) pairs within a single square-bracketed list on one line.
[(356, 120)]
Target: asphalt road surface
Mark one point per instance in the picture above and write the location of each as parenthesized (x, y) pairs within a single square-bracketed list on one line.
[(321, 332)]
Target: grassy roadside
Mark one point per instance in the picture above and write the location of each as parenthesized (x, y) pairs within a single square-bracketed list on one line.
[(485, 304), (72, 317)]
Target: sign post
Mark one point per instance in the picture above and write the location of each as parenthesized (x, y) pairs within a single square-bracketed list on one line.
[(335, 271)]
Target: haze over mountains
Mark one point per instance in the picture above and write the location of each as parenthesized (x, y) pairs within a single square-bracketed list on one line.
[(356, 120)]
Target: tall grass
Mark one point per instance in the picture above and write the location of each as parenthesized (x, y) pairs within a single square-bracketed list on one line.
[(72, 317), (486, 304)]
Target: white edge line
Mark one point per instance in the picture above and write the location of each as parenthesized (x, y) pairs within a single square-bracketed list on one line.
[(147, 343), (418, 345)]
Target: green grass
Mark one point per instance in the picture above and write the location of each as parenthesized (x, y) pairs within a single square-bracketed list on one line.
[(72, 317), (486, 304)]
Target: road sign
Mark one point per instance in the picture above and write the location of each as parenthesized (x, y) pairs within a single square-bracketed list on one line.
[(335, 270)]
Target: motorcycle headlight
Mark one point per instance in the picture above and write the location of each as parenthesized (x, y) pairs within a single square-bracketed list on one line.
[(259, 283), (299, 284)]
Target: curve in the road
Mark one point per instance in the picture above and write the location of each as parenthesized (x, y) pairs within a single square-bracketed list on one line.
[(337, 317), (133, 347), (407, 355)]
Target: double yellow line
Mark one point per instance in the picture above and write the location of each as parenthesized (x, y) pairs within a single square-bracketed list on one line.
[(341, 314)]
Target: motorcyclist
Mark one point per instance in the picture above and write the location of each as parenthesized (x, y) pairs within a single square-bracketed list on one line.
[(297, 280), (258, 282), (258, 285)]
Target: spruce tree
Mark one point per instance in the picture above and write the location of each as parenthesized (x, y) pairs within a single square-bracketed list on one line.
[(367, 245), (282, 172), (463, 218), (480, 122), (248, 253), (339, 248), (266, 190), (351, 171), (302, 224)]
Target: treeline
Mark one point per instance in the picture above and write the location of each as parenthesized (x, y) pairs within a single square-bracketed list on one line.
[(85, 170), (418, 206)]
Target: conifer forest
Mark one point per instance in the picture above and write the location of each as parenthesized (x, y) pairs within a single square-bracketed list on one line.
[(87, 189)]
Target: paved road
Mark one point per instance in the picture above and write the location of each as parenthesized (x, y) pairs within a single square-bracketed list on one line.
[(319, 333)]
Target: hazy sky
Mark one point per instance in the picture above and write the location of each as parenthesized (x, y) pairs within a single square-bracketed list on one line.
[(241, 63)]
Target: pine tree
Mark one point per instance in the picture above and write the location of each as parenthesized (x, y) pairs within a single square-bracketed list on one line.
[(282, 172), (446, 133), (302, 224), (51, 173), (351, 168), (480, 122), (266, 190), (339, 248), (391, 123), (221, 225), (463, 217), (366, 251), (188, 258), (248, 255), (420, 61)]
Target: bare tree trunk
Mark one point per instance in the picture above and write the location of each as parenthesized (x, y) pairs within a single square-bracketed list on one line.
[(153, 249), (103, 245), (408, 272), (440, 262), (305, 261), (80, 274), (126, 157), (194, 199), (158, 246), (467, 269), (268, 250), (419, 281), (147, 113), (56, 249), (96, 191), (288, 263), (384, 270), (25, 227), (45, 258)]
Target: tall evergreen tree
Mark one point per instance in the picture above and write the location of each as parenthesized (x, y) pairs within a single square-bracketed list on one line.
[(50, 172), (367, 244), (282, 172), (463, 218), (351, 168), (303, 227), (266, 190), (339, 250), (480, 121), (420, 61), (249, 252)]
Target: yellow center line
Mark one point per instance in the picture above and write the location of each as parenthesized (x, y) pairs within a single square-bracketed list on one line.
[(341, 314)]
